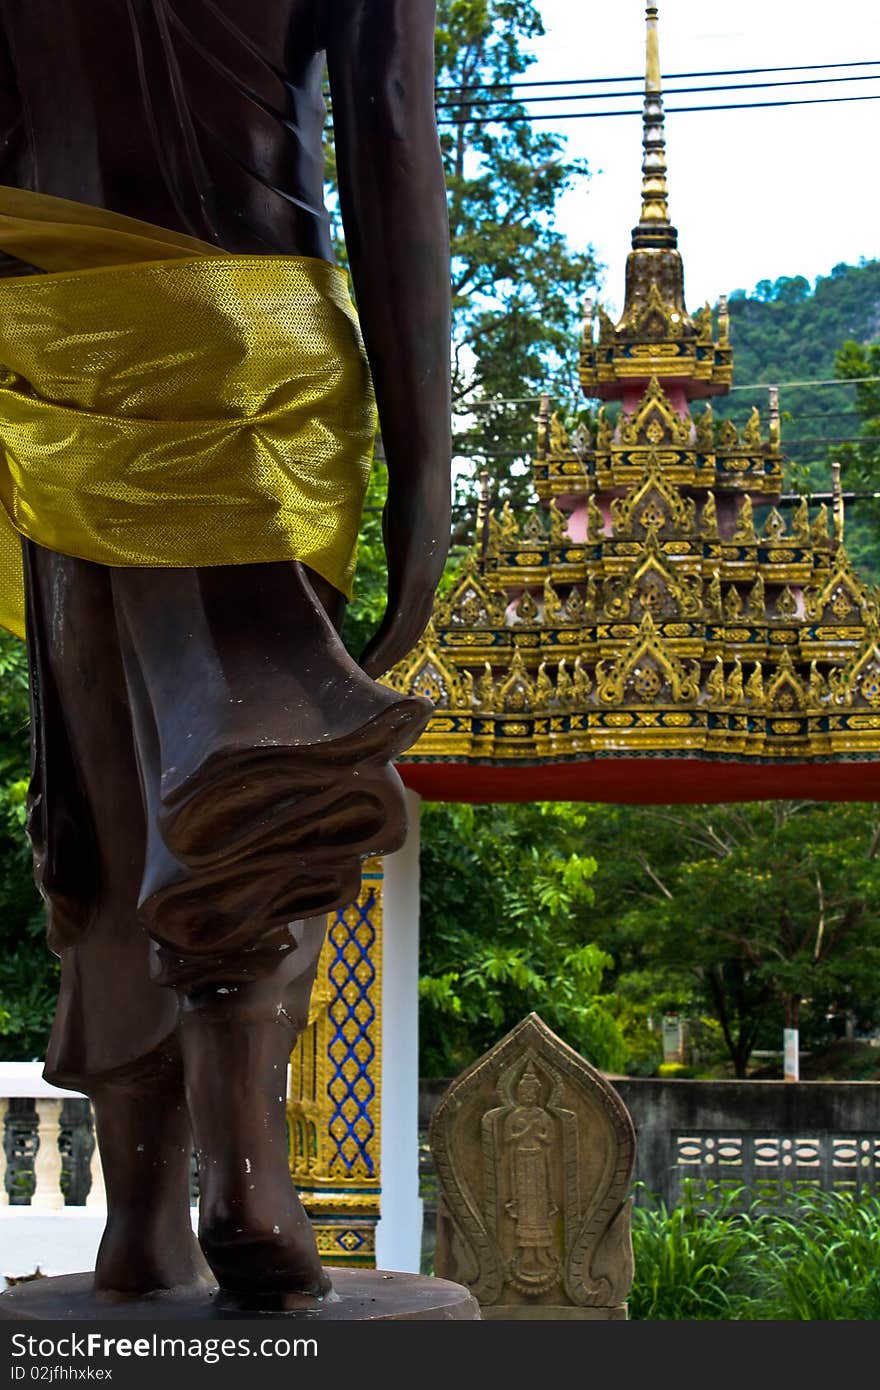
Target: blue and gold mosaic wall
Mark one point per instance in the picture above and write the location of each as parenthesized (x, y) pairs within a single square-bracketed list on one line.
[(335, 1085)]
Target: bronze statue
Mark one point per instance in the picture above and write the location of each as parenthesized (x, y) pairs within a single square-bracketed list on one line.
[(210, 767)]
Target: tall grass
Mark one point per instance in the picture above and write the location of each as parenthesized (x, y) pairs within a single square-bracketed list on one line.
[(812, 1256)]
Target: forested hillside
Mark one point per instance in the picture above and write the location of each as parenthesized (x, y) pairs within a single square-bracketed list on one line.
[(788, 331)]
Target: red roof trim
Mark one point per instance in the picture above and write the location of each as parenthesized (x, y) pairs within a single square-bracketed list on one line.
[(645, 781)]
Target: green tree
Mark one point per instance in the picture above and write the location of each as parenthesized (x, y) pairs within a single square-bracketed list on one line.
[(28, 973), (763, 915), (861, 461), (788, 331), (517, 283), (518, 286), (505, 893)]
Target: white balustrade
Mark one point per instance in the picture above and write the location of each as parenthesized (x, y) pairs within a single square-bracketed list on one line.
[(97, 1193), (47, 1194), (46, 1234)]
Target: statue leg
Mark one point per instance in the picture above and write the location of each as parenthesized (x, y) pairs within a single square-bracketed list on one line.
[(264, 757), (115, 1031), (144, 1134), (236, 1044)]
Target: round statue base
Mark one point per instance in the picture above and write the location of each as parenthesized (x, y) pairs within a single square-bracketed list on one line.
[(359, 1295)]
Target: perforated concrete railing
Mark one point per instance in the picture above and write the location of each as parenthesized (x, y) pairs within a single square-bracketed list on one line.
[(760, 1138), (770, 1165)]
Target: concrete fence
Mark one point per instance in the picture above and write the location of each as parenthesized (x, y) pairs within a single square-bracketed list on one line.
[(763, 1137)]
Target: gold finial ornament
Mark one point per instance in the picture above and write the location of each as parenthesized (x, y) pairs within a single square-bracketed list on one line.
[(752, 432), (543, 426), (483, 513), (652, 54), (655, 212), (656, 334), (775, 417), (800, 522), (604, 430), (839, 518), (587, 329), (744, 530)]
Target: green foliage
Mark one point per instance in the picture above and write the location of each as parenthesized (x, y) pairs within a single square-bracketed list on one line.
[(821, 1259), (505, 891), (742, 918), (812, 1257), (786, 331), (861, 462), (517, 284), (691, 1263), (28, 973), (756, 916), (365, 611)]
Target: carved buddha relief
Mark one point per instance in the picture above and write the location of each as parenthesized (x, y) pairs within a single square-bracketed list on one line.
[(534, 1153)]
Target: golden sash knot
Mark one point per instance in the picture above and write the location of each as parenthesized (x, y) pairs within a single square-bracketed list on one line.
[(166, 404)]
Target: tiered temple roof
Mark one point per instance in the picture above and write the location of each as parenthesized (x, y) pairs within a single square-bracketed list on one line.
[(656, 629)]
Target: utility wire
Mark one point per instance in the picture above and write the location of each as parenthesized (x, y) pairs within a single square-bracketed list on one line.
[(754, 386), (670, 110), (829, 381), (640, 77), (787, 444), (468, 88), (679, 91)]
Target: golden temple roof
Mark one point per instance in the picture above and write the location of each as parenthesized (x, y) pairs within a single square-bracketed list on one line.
[(658, 602)]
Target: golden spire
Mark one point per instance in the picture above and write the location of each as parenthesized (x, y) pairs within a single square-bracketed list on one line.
[(654, 228)]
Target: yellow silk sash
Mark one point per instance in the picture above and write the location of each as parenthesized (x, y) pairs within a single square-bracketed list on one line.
[(163, 403)]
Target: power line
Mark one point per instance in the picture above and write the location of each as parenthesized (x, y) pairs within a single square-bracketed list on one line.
[(679, 91), (468, 407), (829, 381), (472, 438), (670, 110), (787, 444), (468, 88), (640, 77)]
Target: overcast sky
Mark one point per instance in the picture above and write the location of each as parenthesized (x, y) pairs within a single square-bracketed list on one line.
[(755, 194)]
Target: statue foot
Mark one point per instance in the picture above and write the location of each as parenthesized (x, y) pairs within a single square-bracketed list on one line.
[(249, 1256), (148, 1249), (236, 1044), (134, 1262)]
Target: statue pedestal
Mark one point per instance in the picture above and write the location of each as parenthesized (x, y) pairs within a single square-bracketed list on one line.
[(359, 1295)]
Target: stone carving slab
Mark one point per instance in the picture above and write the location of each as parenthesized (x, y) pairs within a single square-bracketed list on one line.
[(534, 1154)]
